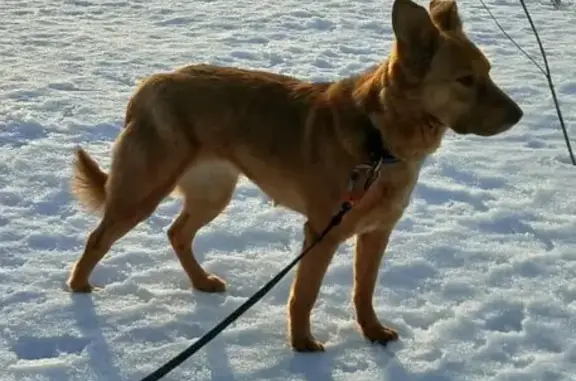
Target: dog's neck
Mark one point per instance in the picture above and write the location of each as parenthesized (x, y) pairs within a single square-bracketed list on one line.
[(409, 139), (407, 131)]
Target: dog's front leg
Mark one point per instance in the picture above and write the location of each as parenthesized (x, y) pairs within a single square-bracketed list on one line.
[(305, 289), (370, 248)]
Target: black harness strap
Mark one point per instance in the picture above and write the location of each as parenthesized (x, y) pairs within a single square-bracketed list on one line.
[(375, 148), (378, 154)]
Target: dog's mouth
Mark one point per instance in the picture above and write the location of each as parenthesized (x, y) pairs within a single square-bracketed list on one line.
[(460, 129), (493, 123), (494, 131), (481, 130)]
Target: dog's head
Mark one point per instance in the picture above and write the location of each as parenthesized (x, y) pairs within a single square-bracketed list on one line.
[(451, 74)]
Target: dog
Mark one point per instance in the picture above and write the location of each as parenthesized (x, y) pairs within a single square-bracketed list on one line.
[(196, 129)]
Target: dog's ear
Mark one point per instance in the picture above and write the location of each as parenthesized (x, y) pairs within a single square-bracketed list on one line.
[(416, 34), (445, 15), (412, 25)]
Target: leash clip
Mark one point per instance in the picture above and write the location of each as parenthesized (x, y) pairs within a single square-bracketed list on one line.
[(374, 172), (370, 172)]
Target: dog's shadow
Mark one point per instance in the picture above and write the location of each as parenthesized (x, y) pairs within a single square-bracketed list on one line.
[(324, 366), (219, 362), (100, 356), (308, 366)]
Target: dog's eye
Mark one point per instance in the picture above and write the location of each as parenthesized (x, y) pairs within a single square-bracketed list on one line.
[(466, 80)]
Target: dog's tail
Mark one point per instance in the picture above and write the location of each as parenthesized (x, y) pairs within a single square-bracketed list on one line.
[(88, 183)]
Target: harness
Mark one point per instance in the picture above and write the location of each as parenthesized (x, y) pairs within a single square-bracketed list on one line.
[(377, 156)]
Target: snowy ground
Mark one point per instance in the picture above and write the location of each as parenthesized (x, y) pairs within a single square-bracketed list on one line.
[(479, 276)]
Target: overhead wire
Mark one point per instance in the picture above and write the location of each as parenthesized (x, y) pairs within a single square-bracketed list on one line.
[(545, 71)]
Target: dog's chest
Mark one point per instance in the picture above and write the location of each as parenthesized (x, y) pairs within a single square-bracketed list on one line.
[(385, 201)]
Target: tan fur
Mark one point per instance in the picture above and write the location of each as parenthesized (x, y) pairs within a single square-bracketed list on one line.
[(198, 128), (89, 181)]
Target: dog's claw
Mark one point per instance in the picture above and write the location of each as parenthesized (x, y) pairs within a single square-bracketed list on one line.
[(84, 288), (307, 345), (380, 334), (211, 284)]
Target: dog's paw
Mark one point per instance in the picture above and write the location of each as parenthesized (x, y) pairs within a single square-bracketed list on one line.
[(380, 334), (211, 284), (81, 288), (307, 345)]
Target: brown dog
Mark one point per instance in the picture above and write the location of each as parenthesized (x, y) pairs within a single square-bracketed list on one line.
[(198, 128)]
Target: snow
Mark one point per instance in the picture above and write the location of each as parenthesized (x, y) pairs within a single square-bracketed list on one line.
[(479, 275)]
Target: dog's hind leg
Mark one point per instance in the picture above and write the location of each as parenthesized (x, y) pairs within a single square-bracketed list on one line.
[(143, 172), (207, 187)]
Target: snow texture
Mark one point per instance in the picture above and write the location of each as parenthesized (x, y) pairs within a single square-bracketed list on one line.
[(479, 275)]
